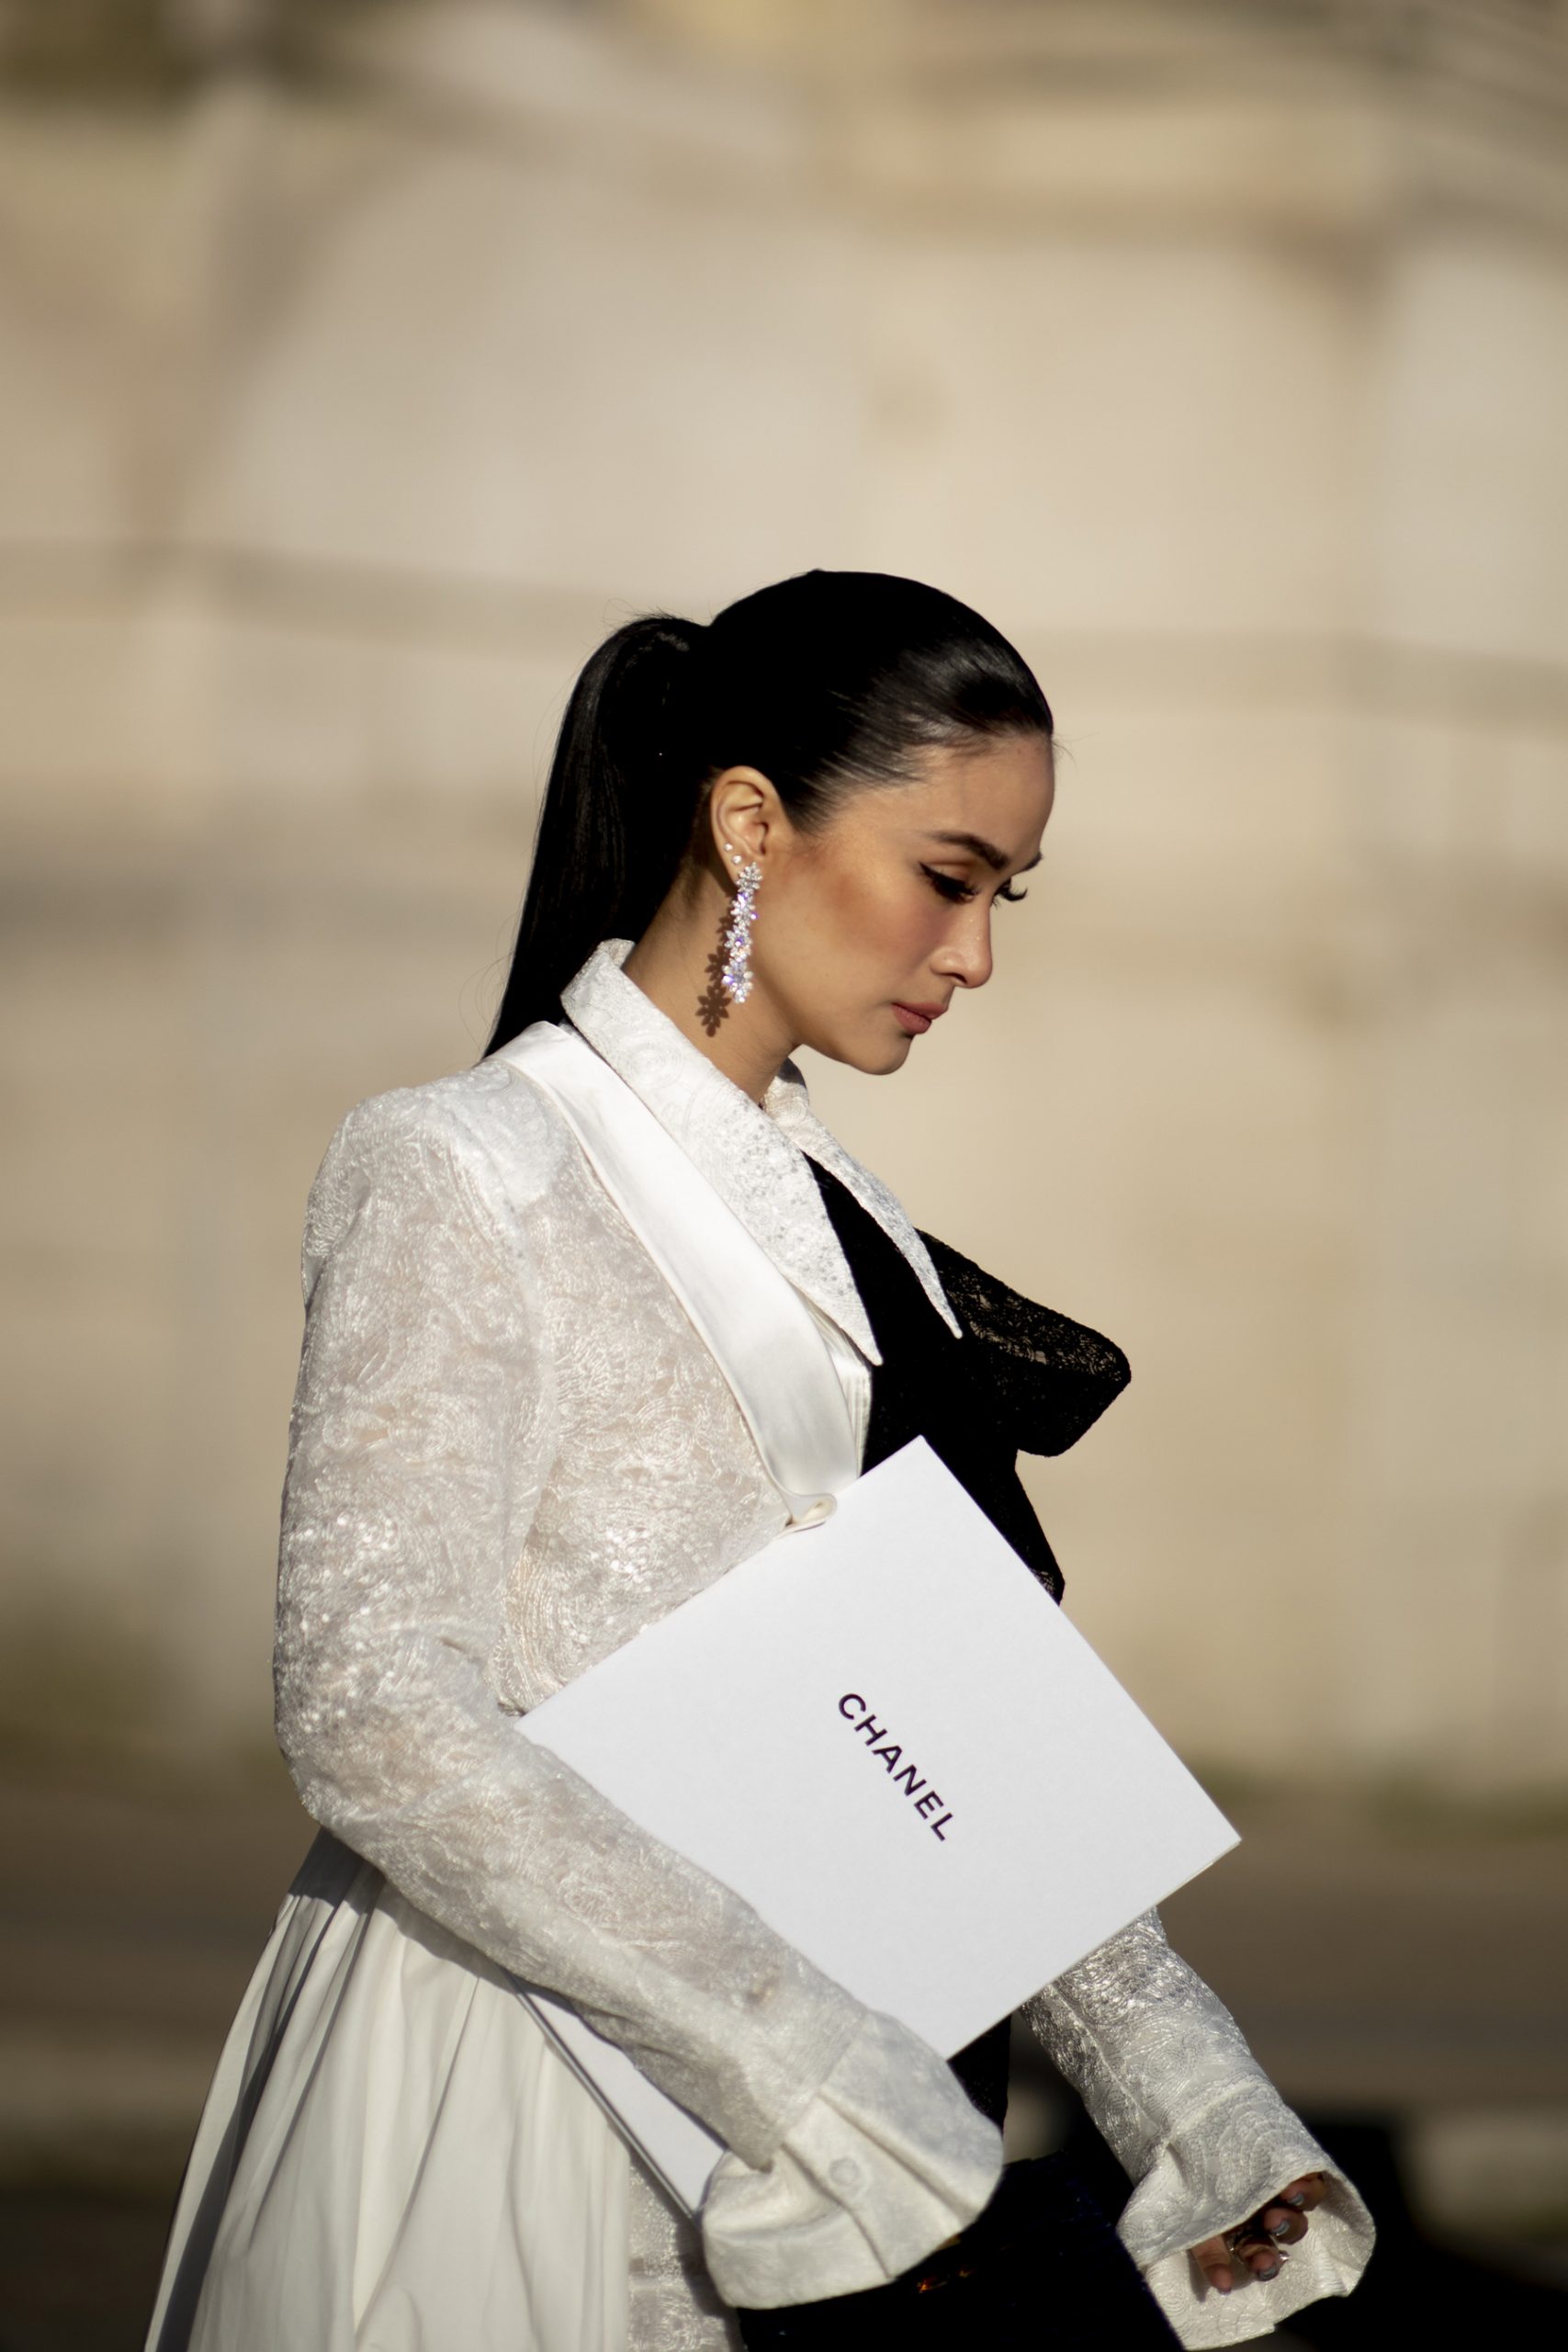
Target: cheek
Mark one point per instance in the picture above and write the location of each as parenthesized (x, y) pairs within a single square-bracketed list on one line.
[(876, 913)]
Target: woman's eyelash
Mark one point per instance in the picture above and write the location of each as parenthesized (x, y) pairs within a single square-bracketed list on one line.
[(950, 887)]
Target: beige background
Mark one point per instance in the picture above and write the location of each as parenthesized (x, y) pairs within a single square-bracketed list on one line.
[(364, 365)]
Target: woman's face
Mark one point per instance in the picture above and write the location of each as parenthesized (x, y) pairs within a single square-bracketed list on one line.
[(867, 928)]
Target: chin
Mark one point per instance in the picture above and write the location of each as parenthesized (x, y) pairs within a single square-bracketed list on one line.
[(881, 1059), (870, 1051)]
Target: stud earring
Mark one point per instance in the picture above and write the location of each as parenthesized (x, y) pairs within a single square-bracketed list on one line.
[(735, 978)]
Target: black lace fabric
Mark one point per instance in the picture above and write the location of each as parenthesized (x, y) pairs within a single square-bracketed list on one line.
[(1024, 1379), (1053, 1377)]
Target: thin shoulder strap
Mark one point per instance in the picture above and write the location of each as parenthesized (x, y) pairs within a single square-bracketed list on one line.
[(754, 1320)]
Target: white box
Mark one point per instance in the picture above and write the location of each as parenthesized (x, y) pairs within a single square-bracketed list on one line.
[(883, 1734)]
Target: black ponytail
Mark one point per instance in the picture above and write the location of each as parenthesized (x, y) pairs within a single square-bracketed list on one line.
[(827, 681), (612, 826)]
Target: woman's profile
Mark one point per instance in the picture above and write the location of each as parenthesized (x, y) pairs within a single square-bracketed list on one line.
[(512, 1449)]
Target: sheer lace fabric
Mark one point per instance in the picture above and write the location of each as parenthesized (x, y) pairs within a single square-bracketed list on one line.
[(509, 1453), (1053, 1377), (481, 1499)]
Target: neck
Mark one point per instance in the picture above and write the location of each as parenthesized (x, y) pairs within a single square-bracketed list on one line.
[(674, 965)]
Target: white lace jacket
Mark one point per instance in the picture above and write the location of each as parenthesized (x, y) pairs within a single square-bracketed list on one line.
[(510, 1452)]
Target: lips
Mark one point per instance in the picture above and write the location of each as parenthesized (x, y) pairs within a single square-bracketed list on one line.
[(915, 1019)]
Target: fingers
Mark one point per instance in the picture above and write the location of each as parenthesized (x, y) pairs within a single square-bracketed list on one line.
[(1304, 2194), (1213, 2259), (1280, 2225), (1261, 2259), (1257, 2250), (1224, 2266)]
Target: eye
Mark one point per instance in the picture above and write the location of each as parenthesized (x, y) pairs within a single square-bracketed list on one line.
[(947, 885)]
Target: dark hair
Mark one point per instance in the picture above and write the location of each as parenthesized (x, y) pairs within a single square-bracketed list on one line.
[(828, 681)]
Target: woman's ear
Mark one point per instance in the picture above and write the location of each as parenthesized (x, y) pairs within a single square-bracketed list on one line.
[(744, 813)]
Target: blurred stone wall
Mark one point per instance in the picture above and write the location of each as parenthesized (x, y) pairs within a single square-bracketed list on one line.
[(365, 363)]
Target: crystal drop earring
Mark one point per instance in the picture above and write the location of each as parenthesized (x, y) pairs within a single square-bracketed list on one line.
[(735, 978)]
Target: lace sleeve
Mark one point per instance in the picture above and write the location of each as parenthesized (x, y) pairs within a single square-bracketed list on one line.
[(424, 1426), (1167, 2076)]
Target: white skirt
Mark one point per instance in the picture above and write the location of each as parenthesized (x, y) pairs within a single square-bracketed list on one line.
[(392, 2157)]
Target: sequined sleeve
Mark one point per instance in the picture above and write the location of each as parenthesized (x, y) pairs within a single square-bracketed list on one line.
[(423, 1428), (1168, 2077)]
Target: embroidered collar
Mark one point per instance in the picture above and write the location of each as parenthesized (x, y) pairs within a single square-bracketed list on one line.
[(749, 1153)]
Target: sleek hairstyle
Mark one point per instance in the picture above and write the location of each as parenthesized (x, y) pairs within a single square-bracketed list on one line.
[(827, 683)]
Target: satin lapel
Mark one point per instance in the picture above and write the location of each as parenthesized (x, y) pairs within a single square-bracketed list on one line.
[(759, 1328)]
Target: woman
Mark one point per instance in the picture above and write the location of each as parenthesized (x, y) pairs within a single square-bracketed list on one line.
[(510, 1449)]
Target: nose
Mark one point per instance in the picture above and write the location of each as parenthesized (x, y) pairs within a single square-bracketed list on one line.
[(965, 954)]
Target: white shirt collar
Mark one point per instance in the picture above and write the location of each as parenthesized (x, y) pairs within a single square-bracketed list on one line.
[(749, 1153)]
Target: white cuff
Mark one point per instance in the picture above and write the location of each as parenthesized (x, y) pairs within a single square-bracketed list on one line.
[(1224, 2166), (888, 2159)]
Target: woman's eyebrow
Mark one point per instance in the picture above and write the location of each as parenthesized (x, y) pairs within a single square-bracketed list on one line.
[(993, 857)]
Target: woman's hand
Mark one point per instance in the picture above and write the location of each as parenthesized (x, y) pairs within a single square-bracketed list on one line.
[(1258, 2247)]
